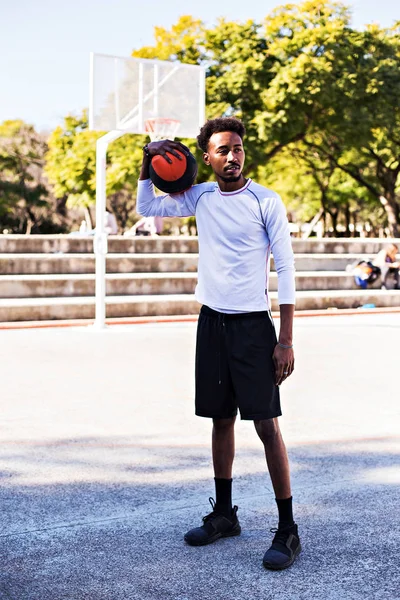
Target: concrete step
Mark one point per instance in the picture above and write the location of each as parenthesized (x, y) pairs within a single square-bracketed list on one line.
[(325, 261), (368, 246), (321, 299), (47, 309), (132, 284), (117, 284), (78, 244), (24, 264)]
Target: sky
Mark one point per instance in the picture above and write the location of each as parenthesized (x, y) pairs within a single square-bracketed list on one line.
[(45, 44)]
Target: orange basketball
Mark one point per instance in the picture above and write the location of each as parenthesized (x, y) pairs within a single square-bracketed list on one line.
[(174, 177), (169, 171)]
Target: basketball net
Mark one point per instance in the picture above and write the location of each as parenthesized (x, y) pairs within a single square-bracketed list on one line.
[(160, 128)]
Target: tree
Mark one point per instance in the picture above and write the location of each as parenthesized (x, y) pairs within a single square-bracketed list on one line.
[(338, 90), (318, 98), (124, 159), (237, 70), (71, 163), (185, 42), (23, 193)]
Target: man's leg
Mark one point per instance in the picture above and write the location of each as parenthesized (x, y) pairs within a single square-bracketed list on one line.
[(223, 453), (385, 271), (215, 399), (223, 447), (222, 521), (269, 433), (286, 543), (396, 275)]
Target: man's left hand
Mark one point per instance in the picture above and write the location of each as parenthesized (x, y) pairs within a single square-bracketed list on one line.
[(284, 363)]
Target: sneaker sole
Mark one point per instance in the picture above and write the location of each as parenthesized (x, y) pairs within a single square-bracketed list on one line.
[(286, 565), (216, 537)]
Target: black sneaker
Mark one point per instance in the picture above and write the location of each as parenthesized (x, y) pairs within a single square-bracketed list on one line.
[(284, 549), (215, 526)]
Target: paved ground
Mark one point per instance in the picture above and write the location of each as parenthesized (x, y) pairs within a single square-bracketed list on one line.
[(104, 467)]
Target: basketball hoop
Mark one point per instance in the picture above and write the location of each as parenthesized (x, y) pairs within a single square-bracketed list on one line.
[(161, 128)]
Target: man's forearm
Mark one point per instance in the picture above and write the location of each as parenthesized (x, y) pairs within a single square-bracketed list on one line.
[(144, 171), (286, 326)]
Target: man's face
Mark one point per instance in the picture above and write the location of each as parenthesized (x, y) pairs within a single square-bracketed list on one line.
[(225, 155)]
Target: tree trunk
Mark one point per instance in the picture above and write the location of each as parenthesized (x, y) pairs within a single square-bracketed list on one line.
[(334, 219), (61, 206), (347, 218), (324, 224)]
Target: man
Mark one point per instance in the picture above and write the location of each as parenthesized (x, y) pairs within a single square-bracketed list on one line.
[(239, 362)]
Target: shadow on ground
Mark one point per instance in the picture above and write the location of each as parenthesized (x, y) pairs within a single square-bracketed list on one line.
[(103, 519)]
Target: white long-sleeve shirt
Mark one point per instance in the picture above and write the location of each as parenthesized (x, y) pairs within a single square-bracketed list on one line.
[(237, 232)]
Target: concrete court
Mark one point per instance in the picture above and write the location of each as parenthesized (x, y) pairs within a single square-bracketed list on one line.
[(104, 467)]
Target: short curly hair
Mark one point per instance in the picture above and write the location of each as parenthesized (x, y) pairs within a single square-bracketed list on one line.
[(216, 126)]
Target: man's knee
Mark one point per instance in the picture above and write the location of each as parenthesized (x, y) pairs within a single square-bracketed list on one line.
[(224, 424), (268, 430)]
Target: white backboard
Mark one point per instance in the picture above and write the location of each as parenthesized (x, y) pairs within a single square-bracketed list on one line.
[(126, 92)]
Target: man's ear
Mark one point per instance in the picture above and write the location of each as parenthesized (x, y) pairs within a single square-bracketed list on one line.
[(206, 158)]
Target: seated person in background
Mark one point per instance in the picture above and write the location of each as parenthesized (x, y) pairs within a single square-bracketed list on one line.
[(389, 266), (365, 273), (146, 226), (110, 223)]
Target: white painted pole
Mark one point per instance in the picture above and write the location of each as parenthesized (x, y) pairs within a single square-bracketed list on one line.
[(100, 239)]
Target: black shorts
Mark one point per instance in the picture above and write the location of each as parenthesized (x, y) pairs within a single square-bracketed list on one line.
[(234, 366)]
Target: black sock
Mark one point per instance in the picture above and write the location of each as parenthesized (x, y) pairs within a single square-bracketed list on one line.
[(223, 494), (285, 511)]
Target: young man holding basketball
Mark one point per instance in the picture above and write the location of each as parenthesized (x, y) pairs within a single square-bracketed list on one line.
[(240, 364)]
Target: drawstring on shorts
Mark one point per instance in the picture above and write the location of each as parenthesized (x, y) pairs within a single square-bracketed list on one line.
[(221, 327)]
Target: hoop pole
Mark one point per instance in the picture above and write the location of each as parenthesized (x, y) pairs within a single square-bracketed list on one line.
[(100, 244)]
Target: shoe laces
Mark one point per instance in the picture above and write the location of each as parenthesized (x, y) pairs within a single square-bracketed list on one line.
[(215, 513), (212, 514), (281, 535)]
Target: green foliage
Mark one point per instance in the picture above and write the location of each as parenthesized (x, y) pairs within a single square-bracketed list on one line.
[(319, 99), (185, 42), (288, 176), (23, 194), (237, 64), (71, 162), (337, 91)]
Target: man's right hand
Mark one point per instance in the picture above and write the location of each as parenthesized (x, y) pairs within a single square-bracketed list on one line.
[(163, 146)]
